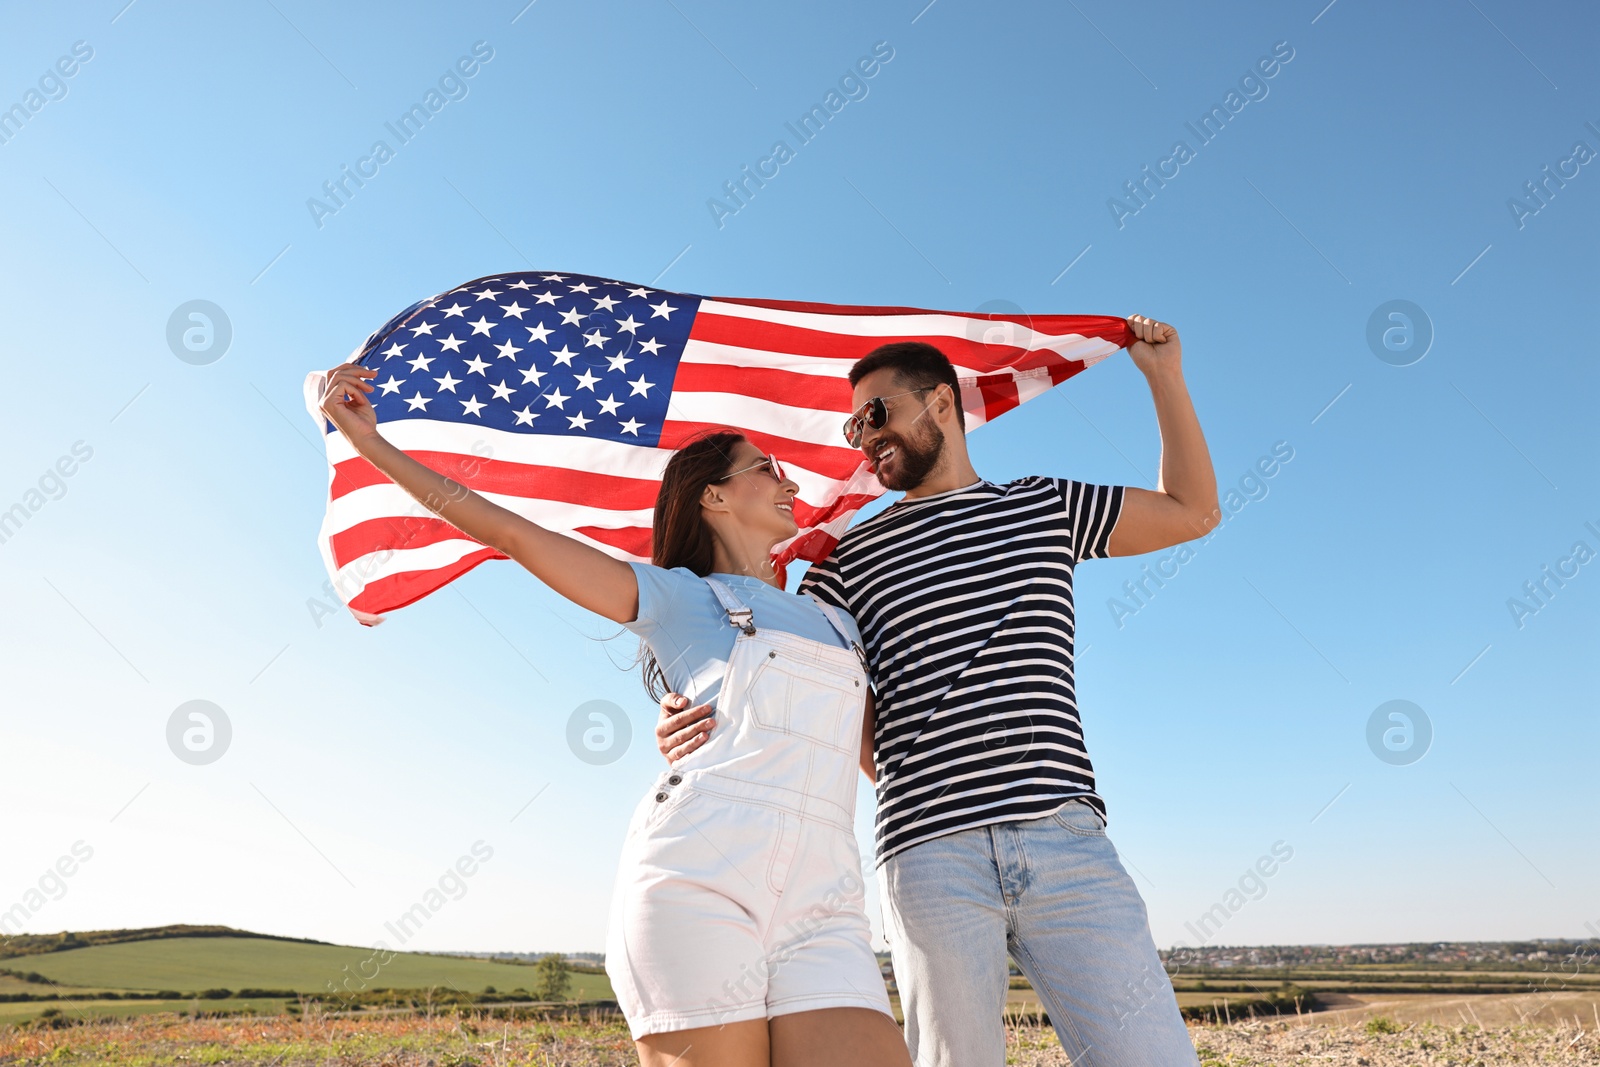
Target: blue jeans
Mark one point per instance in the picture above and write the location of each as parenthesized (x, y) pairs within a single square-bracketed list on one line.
[(1053, 894)]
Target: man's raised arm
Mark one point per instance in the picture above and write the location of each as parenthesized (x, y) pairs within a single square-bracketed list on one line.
[(1183, 505)]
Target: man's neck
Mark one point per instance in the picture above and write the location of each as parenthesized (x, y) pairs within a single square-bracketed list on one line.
[(957, 473)]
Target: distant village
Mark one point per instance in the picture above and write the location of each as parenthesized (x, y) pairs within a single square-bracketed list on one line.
[(1504, 955)]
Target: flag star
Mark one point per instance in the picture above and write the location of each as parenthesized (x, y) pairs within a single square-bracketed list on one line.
[(483, 325), (582, 287), (421, 362), (533, 375), (586, 381), (392, 385), (555, 277), (507, 350), (544, 298), (563, 356), (571, 317), (488, 294), (595, 339), (394, 349), (579, 421), (526, 417), (619, 362), (513, 308), (537, 333), (502, 391), (641, 387), (651, 346), (473, 406), (423, 327), (605, 303), (628, 324), (418, 401), (555, 399), (610, 404), (454, 310), (663, 310), (632, 426), (520, 284), (476, 365), (450, 344), (640, 291), (447, 382)]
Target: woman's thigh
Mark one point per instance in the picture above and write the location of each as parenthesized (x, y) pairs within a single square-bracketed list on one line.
[(837, 1037), (743, 1044)]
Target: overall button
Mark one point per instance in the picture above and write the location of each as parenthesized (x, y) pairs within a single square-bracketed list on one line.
[(675, 779), (660, 797)]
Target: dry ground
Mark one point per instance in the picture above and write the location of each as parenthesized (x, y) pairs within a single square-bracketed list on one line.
[(402, 1041)]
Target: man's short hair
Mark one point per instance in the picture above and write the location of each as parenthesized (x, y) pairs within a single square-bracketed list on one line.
[(915, 363)]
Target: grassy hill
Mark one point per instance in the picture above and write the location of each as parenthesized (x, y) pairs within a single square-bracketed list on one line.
[(221, 959), (192, 964), (33, 944)]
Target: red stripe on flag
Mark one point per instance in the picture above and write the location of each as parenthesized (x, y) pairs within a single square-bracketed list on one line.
[(390, 533), (999, 396), (813, 547), (826, 460), (631, 539), (513, 479), (397, 590)]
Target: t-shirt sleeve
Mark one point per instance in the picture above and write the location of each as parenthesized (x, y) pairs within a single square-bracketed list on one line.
[(659, 590), (823, 582), (1092, 513)]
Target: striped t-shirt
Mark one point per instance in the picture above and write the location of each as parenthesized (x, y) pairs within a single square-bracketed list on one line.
[(965, 603)]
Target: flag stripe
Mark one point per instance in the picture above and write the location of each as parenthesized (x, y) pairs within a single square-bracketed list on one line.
[(982, 349), (899, 323)]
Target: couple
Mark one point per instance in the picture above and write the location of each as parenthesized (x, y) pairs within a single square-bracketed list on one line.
[(737, 932)]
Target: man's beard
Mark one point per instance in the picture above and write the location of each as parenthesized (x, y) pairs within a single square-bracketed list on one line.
[(915, 460)]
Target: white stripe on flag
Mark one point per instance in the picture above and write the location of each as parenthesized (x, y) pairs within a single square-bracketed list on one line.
[(386, 499), (805, 425), (931, 324)]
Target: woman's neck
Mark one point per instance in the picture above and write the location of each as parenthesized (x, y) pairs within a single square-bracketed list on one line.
[(747, 559)]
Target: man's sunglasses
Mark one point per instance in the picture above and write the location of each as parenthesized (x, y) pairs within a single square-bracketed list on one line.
[(874, 413), (769, 462)]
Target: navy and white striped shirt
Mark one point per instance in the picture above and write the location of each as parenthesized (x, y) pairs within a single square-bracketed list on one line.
[(965, 603)]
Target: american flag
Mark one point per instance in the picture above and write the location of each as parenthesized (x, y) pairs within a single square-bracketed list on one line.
[(562, 396)]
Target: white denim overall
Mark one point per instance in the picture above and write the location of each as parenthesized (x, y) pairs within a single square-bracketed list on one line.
[(739, 894)]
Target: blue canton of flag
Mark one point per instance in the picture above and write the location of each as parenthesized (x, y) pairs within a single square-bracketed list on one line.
[(558, 354)]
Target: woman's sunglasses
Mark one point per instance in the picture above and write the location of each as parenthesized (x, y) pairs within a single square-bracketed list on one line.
[(874, 413), (770, 462)]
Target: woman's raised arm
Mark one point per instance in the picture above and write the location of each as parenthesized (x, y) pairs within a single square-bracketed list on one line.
[(583, 574)]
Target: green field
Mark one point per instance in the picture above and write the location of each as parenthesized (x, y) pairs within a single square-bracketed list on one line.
[(79, 1009), (190, 965)]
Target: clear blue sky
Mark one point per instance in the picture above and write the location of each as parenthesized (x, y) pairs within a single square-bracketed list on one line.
[(176, 562)]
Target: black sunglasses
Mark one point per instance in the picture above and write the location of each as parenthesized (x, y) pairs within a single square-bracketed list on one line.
[(874, 413)]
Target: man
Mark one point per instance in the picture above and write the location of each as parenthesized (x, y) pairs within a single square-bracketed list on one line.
[(990, 835)]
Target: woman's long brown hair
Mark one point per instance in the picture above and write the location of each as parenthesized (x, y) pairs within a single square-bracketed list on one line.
[(680, 535)]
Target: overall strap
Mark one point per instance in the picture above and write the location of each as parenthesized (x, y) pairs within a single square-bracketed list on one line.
[(738, 614), (832, 614)]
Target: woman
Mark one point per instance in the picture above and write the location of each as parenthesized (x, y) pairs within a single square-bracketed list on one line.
[(737, 934)]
